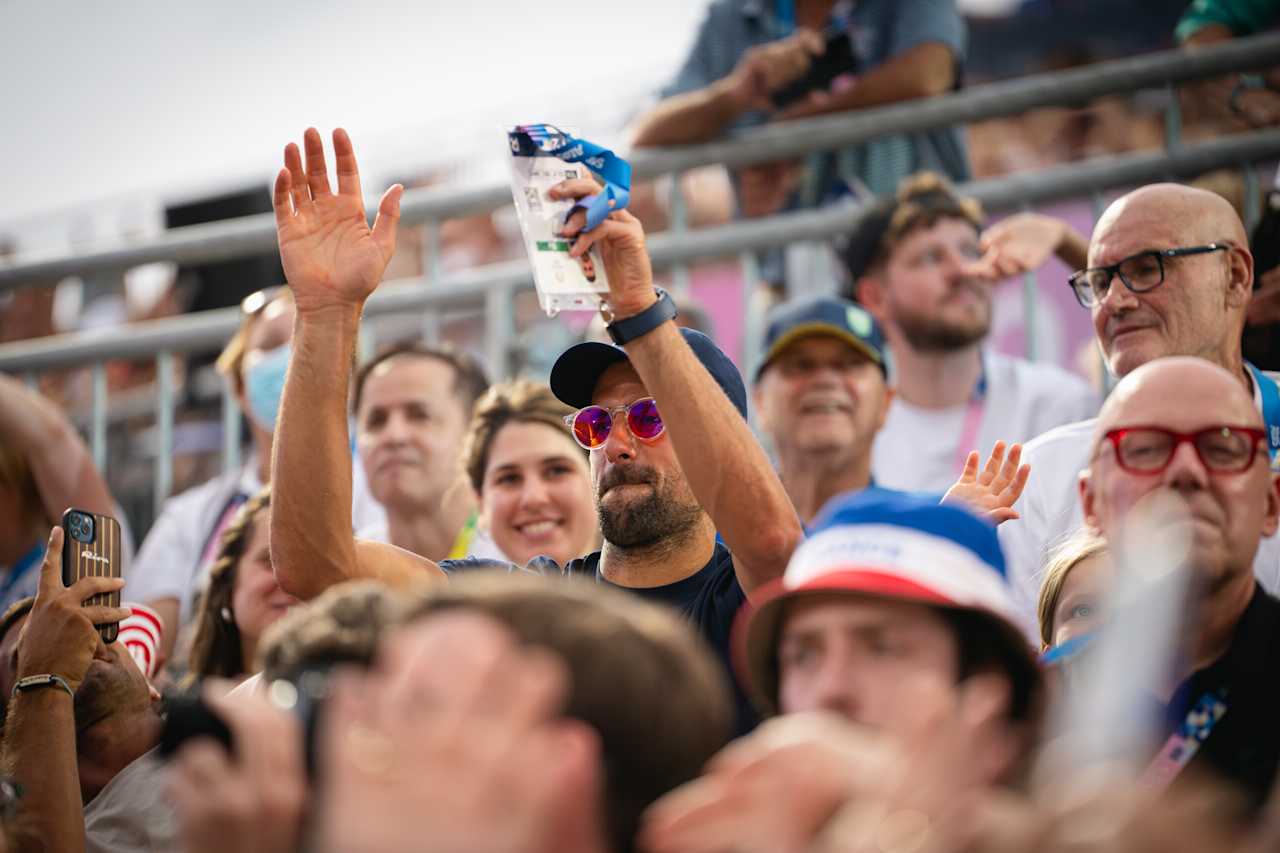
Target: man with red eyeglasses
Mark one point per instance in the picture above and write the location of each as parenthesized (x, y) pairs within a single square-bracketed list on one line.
[(1187, 428), (1169, 273)]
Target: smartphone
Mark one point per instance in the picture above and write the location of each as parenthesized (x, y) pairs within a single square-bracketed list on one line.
[(91, 548), (835, 60)]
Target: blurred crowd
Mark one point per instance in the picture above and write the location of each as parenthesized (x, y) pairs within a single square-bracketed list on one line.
[(888, 588)]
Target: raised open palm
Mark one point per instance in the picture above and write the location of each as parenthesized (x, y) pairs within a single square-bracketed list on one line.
[(330, 254)]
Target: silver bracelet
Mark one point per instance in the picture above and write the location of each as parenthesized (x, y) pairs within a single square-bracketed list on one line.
[(35, 682)]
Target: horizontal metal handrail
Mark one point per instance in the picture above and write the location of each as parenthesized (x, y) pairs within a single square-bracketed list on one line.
[(233, 238), (208, 330)]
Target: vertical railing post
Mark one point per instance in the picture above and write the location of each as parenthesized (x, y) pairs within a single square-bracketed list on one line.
[(230, 429), (679, 224), (164, 429), (498, 328), (98, 418)]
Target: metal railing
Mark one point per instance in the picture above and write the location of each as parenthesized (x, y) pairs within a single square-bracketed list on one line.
[(494, 285)]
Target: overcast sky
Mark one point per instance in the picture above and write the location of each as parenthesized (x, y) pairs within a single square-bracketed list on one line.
[(120, 106)]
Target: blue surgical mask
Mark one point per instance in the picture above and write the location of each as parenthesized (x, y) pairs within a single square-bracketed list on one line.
[(264, 385)]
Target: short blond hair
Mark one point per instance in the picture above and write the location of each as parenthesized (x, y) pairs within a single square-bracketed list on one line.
[(230, 361), (1073, 551)]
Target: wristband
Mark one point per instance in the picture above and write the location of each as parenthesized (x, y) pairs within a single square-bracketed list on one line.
[(627, 330), (35, 682)]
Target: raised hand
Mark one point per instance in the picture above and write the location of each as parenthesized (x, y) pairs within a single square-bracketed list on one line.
[(331, 256), (1020, 243), (995, 490), (772, 791), (60, 637), (622, 248)]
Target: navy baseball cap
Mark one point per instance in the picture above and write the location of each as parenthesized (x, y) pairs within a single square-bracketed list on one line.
[(579, 368), (837, 318)]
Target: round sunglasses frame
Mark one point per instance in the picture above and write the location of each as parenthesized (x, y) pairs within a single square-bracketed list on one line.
[(610, 413)]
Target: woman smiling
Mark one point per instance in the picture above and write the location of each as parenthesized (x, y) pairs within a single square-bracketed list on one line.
[(532, 479)]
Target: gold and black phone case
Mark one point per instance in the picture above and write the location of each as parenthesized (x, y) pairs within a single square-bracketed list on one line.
[(91, 548)]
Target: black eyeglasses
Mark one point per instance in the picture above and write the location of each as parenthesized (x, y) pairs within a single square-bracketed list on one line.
[(1140, 273)]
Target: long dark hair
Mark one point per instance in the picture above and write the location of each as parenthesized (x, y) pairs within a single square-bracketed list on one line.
[(216, 649)]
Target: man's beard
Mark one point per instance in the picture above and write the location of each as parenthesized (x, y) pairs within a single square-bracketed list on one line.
[(660, 517), (928, 334), (105, 691)]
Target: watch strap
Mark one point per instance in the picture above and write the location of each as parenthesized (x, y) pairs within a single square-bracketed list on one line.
[(630, 328), (36, 682)]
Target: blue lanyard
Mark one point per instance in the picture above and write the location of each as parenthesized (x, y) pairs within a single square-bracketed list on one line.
[(32, 558), (1270, 409), (545, 140)]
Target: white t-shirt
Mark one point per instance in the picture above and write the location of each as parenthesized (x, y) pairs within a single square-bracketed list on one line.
[(132, 814), (1050, 511), (172, 560), (918, 450)]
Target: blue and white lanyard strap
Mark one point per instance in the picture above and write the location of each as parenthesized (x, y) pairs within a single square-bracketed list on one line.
[(1185, 741), (20, 569), (534, 140), (1270, 410)]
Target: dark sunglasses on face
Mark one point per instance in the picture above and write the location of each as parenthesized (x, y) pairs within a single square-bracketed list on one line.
[(1149, 449), (591, 425), (1140, 273)]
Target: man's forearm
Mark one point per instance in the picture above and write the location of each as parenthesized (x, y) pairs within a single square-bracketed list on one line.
[(921, 71), (688, 118), (40, 753), (312, 546), (727, 469), (60, 463)]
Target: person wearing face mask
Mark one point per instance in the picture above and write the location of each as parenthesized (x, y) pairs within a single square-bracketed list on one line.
[(172, 564), (531, 478)]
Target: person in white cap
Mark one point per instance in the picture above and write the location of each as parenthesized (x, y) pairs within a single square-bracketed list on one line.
[(894, 618)]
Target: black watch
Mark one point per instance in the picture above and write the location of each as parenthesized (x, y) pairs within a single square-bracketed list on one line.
[(625, 331)]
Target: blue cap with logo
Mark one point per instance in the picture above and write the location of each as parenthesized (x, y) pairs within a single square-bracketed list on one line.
[(837, 318)]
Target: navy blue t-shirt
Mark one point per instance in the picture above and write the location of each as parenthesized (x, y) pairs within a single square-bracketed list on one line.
[(709, 599)]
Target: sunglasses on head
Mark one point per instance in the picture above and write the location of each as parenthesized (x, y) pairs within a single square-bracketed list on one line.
[(591, 425)]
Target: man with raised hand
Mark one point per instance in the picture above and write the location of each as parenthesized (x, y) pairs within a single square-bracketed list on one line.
[(1169, 273), (691, 509)]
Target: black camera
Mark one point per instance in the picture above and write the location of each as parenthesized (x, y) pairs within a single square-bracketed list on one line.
[(303, 694)]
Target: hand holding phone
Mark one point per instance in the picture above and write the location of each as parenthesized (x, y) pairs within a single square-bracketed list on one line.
[(61, 637), (836, 58), (91, 548)]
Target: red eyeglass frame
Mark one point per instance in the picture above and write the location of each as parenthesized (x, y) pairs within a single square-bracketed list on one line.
[(1115, 436)]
